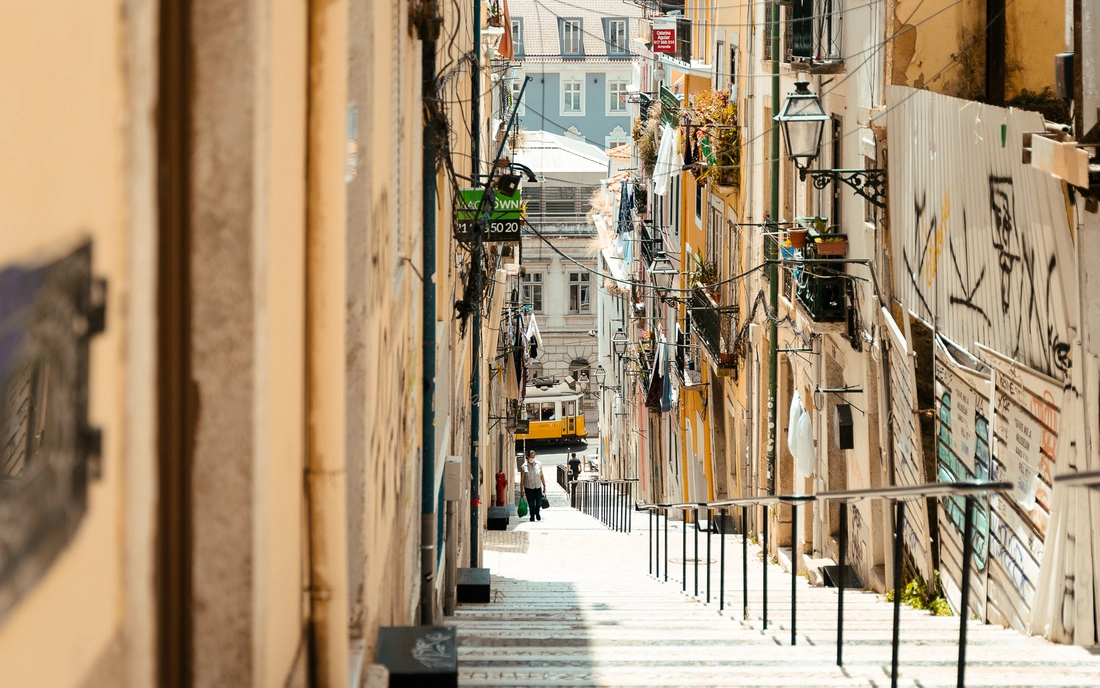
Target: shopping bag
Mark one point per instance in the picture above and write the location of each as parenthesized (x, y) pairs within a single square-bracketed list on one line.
[(545, 503), (521, 507)]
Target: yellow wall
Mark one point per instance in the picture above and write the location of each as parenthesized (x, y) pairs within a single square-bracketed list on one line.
[(939, 45), (64, 179)]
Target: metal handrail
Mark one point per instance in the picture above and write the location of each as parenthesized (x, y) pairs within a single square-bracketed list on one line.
[(1086, 479), (609, 506), (898, 494)]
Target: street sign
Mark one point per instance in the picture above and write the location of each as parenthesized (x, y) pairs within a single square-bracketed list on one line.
[(670, 108), (504, 214), (664, 35)]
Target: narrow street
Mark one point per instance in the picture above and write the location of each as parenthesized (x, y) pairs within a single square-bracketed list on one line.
[(573, 605)]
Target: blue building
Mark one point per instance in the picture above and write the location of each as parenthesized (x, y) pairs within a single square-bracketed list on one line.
[(578, 55)]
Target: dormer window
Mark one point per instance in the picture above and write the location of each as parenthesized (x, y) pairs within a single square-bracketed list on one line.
[(615, 32), (570, 30), (517, 36)]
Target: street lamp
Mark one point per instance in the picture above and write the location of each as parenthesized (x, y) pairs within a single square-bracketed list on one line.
[(619, 342), (663, 273), (802, 120)]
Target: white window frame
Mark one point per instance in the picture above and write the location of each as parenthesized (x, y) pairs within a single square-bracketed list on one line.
[(579, 83), (612, 25), (517, 36), (616, 138), (514, 88), (532, 280), (619, 110), (580, 293), (719, 65), (572, 36)]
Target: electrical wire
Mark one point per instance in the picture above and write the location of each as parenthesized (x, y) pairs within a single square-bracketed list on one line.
[(632, 283)]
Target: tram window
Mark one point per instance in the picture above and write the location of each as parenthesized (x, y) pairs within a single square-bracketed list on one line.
[(548, 411), (570, 408), (533, 412)]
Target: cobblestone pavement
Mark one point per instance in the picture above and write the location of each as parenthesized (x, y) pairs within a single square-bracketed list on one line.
[(573, 605)]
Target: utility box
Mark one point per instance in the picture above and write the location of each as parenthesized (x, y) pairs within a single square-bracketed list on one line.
[(419, 656), (842, 427), (452, 479), (473, 585)]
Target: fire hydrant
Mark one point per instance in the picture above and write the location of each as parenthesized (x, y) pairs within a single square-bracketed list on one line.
[(502, 482)]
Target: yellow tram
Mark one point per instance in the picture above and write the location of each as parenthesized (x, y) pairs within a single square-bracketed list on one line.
[(553, 413)]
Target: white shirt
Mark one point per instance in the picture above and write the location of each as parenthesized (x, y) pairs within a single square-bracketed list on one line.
[(532, 475)]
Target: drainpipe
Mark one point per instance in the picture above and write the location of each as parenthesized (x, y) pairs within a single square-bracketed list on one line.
[(773, 269), (475, 389), (428, 32), (995, 52)]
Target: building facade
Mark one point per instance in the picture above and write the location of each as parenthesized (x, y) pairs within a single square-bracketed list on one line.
[(578, 58), (219, 251), (791, 336)]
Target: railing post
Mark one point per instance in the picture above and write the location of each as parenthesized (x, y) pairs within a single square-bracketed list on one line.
[(794, 572), (685, 557), (695, 536), (666, 545), (629, 500), (765, 558), (898, 540), (843, 544), (964, 607), (650, 559), (722, 561), (745, 561), (710, 521)]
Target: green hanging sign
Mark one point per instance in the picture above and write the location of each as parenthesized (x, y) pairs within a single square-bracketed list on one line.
[(503, 223)]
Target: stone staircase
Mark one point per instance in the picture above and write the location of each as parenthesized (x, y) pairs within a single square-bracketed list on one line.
[(574, 606)]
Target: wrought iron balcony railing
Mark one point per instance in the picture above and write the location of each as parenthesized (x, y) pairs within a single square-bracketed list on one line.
[(714, 325), (652, 244), (822, 290), (812, 34)]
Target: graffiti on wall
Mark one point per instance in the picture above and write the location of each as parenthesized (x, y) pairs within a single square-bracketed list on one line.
[(983, 241), (962, 453)]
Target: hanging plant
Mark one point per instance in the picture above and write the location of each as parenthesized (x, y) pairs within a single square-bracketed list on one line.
[(645, 131), (716, 137)]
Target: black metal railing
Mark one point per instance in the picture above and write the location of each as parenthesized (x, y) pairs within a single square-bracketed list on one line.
[(607, 501), (969, 490), (812, 32), (713, 324), (821, 289), (652, 244)]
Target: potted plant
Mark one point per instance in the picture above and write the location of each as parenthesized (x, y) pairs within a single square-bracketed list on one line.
[(797, 237), (716, 138), (831, 244), (496, 15)]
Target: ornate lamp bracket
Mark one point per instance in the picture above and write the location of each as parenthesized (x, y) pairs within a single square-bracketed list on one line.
[(870, 184)]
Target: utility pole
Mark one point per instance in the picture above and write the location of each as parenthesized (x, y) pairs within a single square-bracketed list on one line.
[(475, 387), (771, 251), (429, 31)]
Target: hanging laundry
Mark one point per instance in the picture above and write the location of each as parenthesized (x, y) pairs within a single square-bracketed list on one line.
[(804, 443), (666, 161), (792, 420)]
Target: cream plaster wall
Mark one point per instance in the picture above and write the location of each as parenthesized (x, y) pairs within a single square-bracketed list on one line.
[(64, 179)]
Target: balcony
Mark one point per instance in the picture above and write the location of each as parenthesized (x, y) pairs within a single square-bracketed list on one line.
[(715, 326), (813, 36), (652, 244), (820, 289)]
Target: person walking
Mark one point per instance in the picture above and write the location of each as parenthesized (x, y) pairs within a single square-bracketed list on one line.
[(533, 485), (574, 467)]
